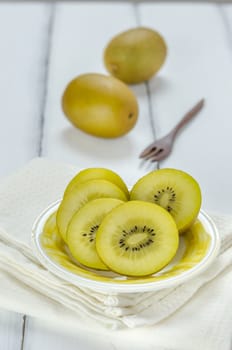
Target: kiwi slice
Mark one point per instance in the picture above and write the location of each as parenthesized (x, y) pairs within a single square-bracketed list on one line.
[(50, 225), (82, 230), (82, 194), (137, 238), (97, 173), (174, 190)]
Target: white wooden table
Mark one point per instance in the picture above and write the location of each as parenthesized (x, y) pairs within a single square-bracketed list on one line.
[(43, 46)]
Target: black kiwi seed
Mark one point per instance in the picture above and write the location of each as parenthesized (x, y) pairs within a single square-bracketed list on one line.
[(136, 229), (91, 233), (172, 197)]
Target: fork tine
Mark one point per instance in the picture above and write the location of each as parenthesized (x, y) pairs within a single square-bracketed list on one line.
[(162, 147), (156, 159), (147, 150), (153, 153), (159, 156)]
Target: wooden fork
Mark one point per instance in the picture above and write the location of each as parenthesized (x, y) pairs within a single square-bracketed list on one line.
[(161, 148)]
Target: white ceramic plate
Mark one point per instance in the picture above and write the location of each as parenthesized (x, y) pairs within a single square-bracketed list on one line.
[(197, 249)]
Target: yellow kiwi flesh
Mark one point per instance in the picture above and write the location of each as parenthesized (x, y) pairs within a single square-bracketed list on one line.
[(82, 230), (137, 238), (80, 195), (135, 55), (174, 190), (97, 173)]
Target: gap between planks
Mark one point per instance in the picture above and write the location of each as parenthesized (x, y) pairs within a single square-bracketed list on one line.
[(226, 23), (51, 18), (147, 85)]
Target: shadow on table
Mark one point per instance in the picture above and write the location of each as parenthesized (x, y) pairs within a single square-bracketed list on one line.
[(119, 148)]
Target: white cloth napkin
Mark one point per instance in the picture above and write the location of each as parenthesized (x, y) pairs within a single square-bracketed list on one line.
[(28, 287)]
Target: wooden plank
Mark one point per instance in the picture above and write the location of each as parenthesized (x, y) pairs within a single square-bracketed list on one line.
[(198, 65), (23, 35), (23, 38), (226, 13), (80, 34), (64, 143), (41, 335), (10, 330), (71, 57)]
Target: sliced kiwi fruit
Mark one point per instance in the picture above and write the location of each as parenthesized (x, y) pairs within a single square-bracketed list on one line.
[(82, 230), (50, 225), (82, 194), (174, 190), (137, 238), (97, 173)]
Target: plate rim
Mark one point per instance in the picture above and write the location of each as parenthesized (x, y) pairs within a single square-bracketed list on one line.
[(110, 287)]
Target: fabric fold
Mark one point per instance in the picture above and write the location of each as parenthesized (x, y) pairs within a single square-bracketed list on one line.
[(22, 197)]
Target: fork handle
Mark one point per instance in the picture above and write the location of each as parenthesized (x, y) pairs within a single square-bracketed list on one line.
[(188, 116)]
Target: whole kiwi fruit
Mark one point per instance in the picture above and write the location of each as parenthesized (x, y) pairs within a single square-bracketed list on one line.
[(100, 105), (135, 55)]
